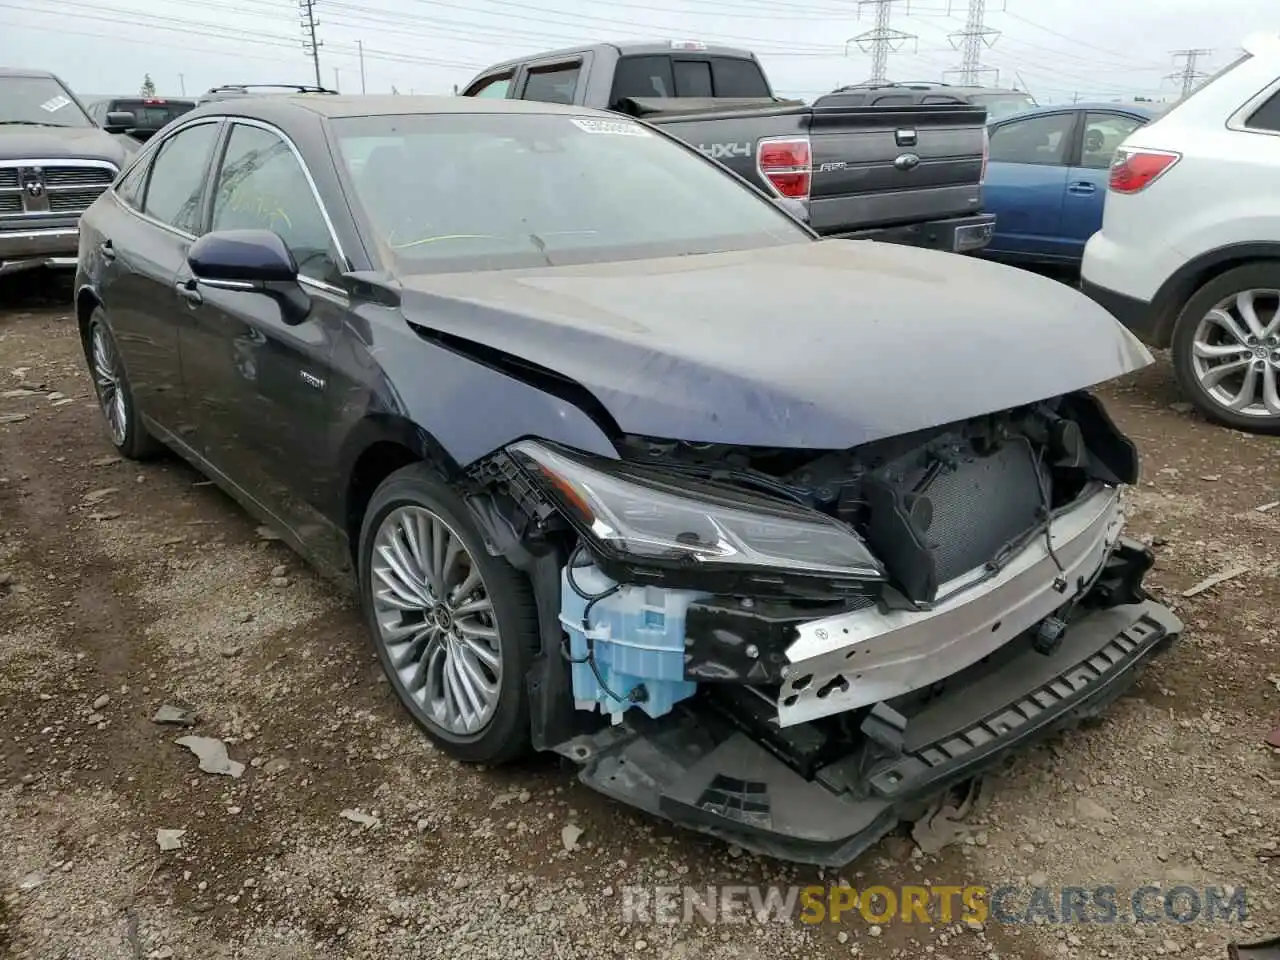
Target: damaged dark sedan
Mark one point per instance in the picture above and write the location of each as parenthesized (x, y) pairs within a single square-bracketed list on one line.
[(774, 537)]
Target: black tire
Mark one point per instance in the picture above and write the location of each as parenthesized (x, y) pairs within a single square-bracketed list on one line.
[(1252, 276), (505, 736), (136, 443)]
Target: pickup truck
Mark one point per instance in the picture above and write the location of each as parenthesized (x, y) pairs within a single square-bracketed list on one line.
[(909, 173), (54, 162)]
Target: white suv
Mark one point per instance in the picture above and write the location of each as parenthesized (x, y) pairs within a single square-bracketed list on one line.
[(1188, 256)]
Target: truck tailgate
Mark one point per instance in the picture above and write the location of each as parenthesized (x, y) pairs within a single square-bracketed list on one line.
[(877, 166)]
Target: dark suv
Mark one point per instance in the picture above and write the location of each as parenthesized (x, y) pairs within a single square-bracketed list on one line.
[(999, 103), (773, 536)]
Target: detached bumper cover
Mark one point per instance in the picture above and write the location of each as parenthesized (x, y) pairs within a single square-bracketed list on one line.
[(735, 789)]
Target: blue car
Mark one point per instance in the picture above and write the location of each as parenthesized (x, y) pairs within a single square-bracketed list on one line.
[(1047, 177)]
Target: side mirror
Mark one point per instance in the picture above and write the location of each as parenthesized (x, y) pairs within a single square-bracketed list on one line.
[(250, 260), (119, 121), (245, 258)]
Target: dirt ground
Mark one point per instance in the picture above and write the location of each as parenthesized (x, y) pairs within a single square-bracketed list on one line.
[(123, 588)]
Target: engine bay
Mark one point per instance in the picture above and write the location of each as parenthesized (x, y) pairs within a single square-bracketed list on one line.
[(941, 512)]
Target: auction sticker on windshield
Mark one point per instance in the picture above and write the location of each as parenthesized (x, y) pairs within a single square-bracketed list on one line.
[(57, 103), (619, 128)]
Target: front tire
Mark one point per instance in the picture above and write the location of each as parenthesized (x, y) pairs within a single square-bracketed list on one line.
[(115, 395), (1226, 348), (454, 628)]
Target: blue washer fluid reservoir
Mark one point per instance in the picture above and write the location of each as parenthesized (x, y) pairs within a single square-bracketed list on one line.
[(637, 635)]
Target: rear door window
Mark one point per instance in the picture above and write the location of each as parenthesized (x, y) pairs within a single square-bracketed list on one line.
[(735, 77), (693, 78), (176, 185), (642, 77), (1040, 140), (555, 84)]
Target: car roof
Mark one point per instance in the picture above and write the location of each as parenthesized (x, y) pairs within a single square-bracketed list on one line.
[(931, 86), (627, 48), (24, 72), (276, 106), (1133, 109)]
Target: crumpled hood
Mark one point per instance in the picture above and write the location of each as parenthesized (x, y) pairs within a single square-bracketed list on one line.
[(821, 345), (60, 143)]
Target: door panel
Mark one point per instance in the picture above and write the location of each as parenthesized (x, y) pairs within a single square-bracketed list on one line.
[(144, 254), (259, 377), (1026, 182), (259, 385), (1027, 200)]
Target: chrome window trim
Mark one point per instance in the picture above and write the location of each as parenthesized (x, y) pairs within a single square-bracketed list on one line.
[(1238, 121), (306, 172), (60, 162)]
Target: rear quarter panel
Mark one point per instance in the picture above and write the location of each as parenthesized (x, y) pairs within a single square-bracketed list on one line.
[(1221, 192)]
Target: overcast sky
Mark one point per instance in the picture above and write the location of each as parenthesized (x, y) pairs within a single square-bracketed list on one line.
[(1097, 49)]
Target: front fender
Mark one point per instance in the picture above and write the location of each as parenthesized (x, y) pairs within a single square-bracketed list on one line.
[(446, 407)]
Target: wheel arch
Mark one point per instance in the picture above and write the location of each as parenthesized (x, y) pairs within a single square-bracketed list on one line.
[(87, 300), (378, 447), (1174, 293)]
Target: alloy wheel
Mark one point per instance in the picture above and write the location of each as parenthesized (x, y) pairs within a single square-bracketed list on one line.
[(1235, 353), (435, 621), (106, 379)]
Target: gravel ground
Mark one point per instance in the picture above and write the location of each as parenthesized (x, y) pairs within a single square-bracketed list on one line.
[(125, 588)]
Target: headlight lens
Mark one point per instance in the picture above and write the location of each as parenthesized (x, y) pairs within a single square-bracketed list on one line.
[(647, 519)]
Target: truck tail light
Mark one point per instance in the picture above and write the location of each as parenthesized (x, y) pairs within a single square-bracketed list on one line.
[(986, 155), (786, 165), (1134, 169)]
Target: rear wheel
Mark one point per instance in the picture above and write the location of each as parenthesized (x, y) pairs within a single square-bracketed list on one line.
[(454, 627), (1226, 348), (115, 396)]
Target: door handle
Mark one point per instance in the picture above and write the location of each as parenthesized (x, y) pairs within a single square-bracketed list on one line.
[(107, 250), (188, 292), (1082, 187)]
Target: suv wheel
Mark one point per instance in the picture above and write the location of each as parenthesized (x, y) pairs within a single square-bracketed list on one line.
[(1226, 348), (455, 628), (115, 397)]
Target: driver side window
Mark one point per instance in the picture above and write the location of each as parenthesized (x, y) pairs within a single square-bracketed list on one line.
[(261, 186)]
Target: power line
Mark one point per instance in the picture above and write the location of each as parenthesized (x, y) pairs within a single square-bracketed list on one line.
[(880, 40), (310, 45), (971, 41), (1189, 76)]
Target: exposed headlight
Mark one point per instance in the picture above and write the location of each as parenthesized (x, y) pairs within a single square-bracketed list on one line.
[(644, 515)]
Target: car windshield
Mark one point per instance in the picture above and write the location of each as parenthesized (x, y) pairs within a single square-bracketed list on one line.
[(39, 101), (1003, 104), (452, 192)]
